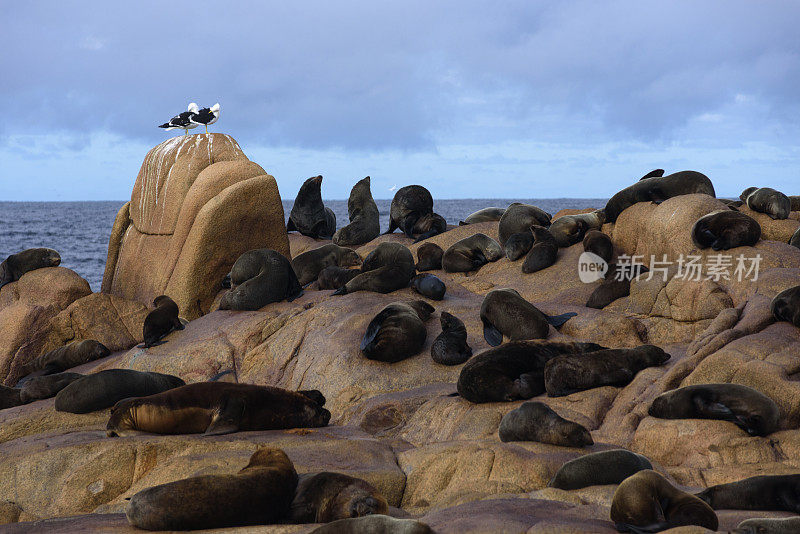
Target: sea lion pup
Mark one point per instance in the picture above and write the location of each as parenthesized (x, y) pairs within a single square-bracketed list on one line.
[(102, 390), (655, 173), (429, 257), (66, 357), (408, 205), (613, 287), (767, 200), (309, 216), (570, 373), (258, 278), (451, 347), (44, 387), (750, 410), (364, 217), (429, 225), (325, 497), (387, 268), (570, 229), (520, 217), (374, 524), (429, 285), (14, 266), (308, 265), (483, 215), (725, 229), (768, 525), (471, 253), (505, 313), (766, 492), (599, 244), (397, 332), (647, 502), (795, 240), (657, 190), (334, 277), (543, 253), (786, 306), (598, 469), (513, 370), (534, 421), (215, 408), (161, 321), (9, 397), (518, 245), (259, 494)]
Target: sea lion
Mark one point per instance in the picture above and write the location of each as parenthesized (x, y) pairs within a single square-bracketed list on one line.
[(9, 397), (397, 331), (102, 390), (767, 200), (259, 494), (786, 306), (161, 321), (66, 357), (334, 277), (14, 266), (570, 373), (514, 370), (543, 253), (598, 244), (614, 287), (215, 408), (518, 245), (765, 492), (313, 394), (258, 278), (505, 313), (308, 265), (655, 173), (471, 253), (429, 257), (598, 469), (795, 240), (647, 502), (520, 217), (309, 216), (731, 203), (750, 410), (429, 286), (387, 268), (725, 229), (483, 215), (535, 421), (408, 205), (374, 524), (429, 225), (794, 200), (768, 525), (657, 190), (451, 347), (44, 387), (570, 229), (325, 497), (364, 217)]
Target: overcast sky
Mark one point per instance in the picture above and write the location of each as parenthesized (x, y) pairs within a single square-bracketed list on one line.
[(470, 99)]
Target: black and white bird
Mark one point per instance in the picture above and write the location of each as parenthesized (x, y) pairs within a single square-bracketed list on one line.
[(206, 116), (183, 120)]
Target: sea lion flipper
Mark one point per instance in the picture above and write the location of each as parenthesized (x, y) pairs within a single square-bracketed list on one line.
[(712, 410), (373, 328), (492, 335), (227, 418), (341, 291), (558, 320), (407, 224)]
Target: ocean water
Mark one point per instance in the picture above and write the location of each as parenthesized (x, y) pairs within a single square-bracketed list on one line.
[(79, 231)]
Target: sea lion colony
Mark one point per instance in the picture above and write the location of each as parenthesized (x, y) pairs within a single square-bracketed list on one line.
[(521, 364)]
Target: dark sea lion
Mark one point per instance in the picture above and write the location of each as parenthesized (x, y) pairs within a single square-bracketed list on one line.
[(768, 525), (429, 257), (259, 494), (9, 397), (483, 215), (14, 266), (258, 278), (795, 202), (334, 277), (766, 492), (364, 217), (374, 524), (514, 370), (44, 387), (308, 265), (658, 189), (325, 497), (725, 229), (66, 357), (387, 268), (767, 200), (429, 225), (471, 253), (598, 469), (397, 331), (408, 205), (215, 408), (505, 313), (543, 253), (599, 244), (613, 287), (520, 217), (518, 245), (102, 390), (786, 306), (731, 203), (655, 173), (309, 216), (313, 394), (795, 240), (570, 373), (429, 286), (161, 321), (570, 229), (534, 421), (750, 410), (451, 347), (647, 502)]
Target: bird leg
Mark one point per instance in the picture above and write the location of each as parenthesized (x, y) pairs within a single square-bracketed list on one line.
[(206, 128)]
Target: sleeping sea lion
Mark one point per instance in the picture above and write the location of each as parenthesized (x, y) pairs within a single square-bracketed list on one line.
[(14, 266), (657, 190), (768, 525), (325, 497), (397, 331), (258, 278), (767, 200), (308, 265), (429, 225), (520, 217), (518, 245), (570, 229), (387, 268), (161, 321), (725, 229), (66, 357), (599, 469), (765, 492), (429, 257), (471, 253), (408, 205), (505, 313), (451, 347), (364, 217), (334, 277), (795, 239), (46, 386), (535, 421), (429, 286), (101, 390), (543, 253), (599, 244), (9, 397), (309, 216), (786, 306), (483, 215)]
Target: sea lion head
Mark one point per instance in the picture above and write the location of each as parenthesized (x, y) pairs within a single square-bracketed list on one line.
[(269, 457), (423, 309), (100, 350), (51, 257), (746, 193), (162, 299), (349, 258), (653, 355), (367, 505), (315, 415), (449, 321), (575, 435), (123, 418)]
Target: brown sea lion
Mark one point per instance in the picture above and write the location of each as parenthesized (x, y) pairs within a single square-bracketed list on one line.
[(543, 253), (647, 502), (161, 321), (309, 216), (786, 306), (258, 278), (387, 268), (325, 497), (570, 373), (725, 229), (364, 217), (259, 494), (613, 287), (520, 217), (103, 389), (767, 200), (408, 205), (308, 265), (397, 331), (795, 239), (655, 173), (505, 313), (598, 469), (768, 525), (374, 524), (514, 370), (429, 257), (518, 245), (429, 225), (471, 253), (429, 286), (9, 397), (46, 386), (535, 421), (766, 492), (14, 266), (570, 229), (66, 357), (483, 215), (750, 410), (334, 277), (451, 347), (598, 244)]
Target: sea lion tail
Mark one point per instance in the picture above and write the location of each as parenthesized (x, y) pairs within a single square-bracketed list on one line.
[(558, 320)]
